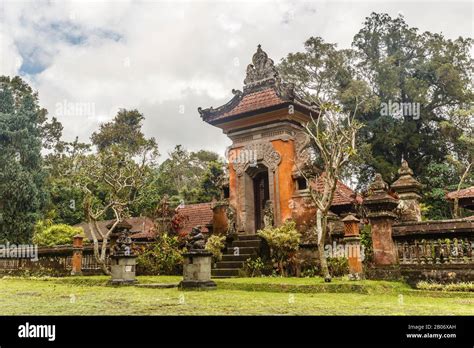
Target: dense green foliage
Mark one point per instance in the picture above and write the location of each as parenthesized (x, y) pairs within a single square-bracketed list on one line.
[(254, 267), (283, 242), (463, 286), (338, 266), (52, 235), (392, 63), (192, 177), (22, 193), (163, 257), (215, 245)]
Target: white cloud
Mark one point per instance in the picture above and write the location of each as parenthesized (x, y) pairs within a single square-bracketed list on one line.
[(161, 56), (10, 58)]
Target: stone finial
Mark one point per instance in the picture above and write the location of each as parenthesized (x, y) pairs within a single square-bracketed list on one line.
[(378, 184), (406, 183), (379, 202), (261, 69), (405, 169), (408, 190)]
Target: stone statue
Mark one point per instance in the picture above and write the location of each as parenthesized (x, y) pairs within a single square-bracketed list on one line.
[(230, 220), (195, 240), (268, 216), (123, 245)]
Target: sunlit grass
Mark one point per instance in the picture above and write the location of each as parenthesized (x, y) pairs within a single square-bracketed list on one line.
[(283, 296)]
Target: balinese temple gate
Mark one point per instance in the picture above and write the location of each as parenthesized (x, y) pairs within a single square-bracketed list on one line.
[(265, 123)]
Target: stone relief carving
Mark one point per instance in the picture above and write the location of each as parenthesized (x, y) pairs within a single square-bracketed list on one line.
[(302, 150), (254, 152), (268, 214), (231, 219)]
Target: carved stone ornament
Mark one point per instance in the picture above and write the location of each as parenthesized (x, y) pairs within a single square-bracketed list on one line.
[(302, 150), (261, 69), (254, 152)]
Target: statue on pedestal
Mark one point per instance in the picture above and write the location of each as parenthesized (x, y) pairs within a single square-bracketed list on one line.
[(195, 240)]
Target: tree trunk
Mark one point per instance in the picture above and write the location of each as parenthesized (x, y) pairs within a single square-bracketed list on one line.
[(321, 234), (103, 257), (456, 208)]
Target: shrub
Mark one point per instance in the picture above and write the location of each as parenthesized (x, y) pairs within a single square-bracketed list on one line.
[(366, 242), (310, 272), (254, 267), (283, 242), (162, 258), (464, 286), (338, 266), (215, 244), (51, 235)]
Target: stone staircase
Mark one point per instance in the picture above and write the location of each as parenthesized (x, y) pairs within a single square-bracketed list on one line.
[(233, 260)]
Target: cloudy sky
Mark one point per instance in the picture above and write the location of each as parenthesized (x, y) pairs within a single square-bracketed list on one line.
[(87, 59)]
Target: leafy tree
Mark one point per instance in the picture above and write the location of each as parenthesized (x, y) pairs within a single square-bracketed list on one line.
[(189, 176), (23, 126), (124, 130), (112, 179), (65, 197), (391, 62), (209, 186), (333, 139), (402, 65)]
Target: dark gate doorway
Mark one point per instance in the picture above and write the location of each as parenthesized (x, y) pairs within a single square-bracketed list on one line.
[(261, 195)]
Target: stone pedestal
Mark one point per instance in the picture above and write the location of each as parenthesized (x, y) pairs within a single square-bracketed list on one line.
[(123, 260), (197, 271), (123, 270)]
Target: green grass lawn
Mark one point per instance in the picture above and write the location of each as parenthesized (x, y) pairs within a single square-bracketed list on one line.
[(242, 296)]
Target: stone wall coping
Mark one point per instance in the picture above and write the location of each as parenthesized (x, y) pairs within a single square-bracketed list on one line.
[(433, 227)]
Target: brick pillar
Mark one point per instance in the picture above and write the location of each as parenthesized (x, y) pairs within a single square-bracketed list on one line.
[(381, 215), (353, 250), (77, 248), (220, 224)]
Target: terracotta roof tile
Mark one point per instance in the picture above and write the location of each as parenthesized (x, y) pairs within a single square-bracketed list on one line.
[(464, 193), (343, 194), (253, 101), (142, 227), (198, 214)]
